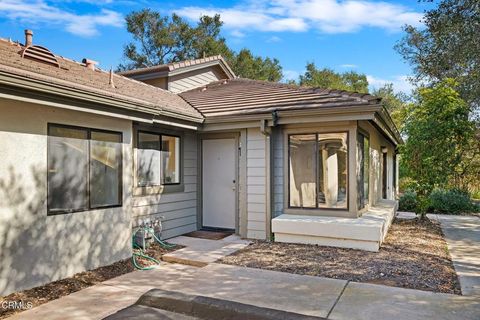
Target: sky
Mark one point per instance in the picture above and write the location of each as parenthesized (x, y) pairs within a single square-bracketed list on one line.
[(342, 35)]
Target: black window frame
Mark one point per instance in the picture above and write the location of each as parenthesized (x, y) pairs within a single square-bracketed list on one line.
[(317, 208), (89, 130), (160, 135)]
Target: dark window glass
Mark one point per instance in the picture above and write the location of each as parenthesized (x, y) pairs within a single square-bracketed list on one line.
[(363, 160), (67, 169), (170, 159), (70, 152), (105, 169), (148, 159)]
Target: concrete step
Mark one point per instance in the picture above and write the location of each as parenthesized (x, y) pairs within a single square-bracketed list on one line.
[(200, 252)]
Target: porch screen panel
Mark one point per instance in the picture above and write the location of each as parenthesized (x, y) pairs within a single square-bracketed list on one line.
[(302, 167), (67, 169), (105, 169), (170, 159), (363, 165), (148, 159), (332, 170)]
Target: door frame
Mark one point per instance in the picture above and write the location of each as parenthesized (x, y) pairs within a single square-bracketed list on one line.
[(212, 136)]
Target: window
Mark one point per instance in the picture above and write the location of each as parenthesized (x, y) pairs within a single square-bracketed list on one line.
[(318, 170), (84, 169), (384, 175), (158, 159), (363, 158)]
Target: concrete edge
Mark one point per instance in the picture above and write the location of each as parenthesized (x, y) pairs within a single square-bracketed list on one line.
[(193, 263), (209, 308)]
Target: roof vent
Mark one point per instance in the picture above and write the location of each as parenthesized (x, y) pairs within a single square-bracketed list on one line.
[(28, 38), (90, 64), (40, 54), (37, 53)]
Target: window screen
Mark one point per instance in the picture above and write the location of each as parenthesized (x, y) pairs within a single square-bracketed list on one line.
[(318, 170)]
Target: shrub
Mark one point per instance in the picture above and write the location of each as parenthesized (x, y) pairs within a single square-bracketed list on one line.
[(451, 201), (407, 201)]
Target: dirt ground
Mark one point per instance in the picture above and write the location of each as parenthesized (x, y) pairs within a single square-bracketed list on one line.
[(414, 255), (57, 289)]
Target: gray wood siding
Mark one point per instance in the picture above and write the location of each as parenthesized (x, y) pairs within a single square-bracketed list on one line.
[(194, 79), (256, 185), (177, 211), (278, 172)]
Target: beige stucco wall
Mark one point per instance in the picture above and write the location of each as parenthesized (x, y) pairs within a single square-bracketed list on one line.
[(36, 248)]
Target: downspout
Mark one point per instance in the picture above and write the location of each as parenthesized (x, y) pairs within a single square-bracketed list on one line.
[(266, 130)]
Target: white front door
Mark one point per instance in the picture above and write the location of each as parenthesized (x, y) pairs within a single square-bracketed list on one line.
[(218, 183)]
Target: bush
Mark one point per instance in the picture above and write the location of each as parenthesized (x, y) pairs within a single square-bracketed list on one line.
[(451, 201), (407, 201)]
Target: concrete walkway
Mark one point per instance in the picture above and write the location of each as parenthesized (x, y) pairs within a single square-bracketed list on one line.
[(462, 234), (200, 252), (307, 295)]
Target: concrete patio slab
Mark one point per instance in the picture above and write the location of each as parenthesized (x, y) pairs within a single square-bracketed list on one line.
[(462, 234), (95, 302), (308, 295), (362, 301), (200, 252)]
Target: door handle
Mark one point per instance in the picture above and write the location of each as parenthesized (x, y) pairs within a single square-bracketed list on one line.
[(234, 187)]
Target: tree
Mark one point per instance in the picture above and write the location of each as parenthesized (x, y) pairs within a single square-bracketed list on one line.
[(395, 103), (447, 47), (161, 39), (245, 65), (440, 135), (329, 79)]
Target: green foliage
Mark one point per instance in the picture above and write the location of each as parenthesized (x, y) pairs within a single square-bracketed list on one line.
[(453, 201), (329, 79), (447, 46), (395, 103), (161, 39), (440, 135), (423, 205), (246, 65), (407, 201)]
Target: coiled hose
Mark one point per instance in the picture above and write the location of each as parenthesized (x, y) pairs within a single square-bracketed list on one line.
[(142, 254)]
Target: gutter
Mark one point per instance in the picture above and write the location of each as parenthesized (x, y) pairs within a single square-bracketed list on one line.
[(15, 83), (266, 129)]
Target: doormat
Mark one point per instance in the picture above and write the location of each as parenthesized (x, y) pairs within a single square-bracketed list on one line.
[(211, 235)]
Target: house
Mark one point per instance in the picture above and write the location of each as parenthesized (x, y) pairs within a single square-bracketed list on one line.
[(86, 155)]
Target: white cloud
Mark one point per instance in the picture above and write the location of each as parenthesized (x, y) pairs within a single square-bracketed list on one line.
[(348, 66), (290, 75), (40, 12), (400, 83), (274, 39), (327, 16), (237, 34)]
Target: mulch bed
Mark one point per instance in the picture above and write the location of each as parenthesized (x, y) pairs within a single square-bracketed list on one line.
[(414, 255), (57, 289)]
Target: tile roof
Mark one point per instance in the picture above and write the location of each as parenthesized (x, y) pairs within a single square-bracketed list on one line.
[(169, 67), (71, 74), (244, 96)]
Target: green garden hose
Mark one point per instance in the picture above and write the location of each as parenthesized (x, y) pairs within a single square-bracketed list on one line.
[(142, 252)]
